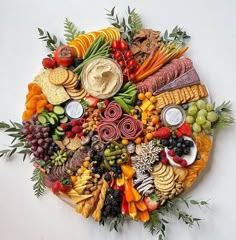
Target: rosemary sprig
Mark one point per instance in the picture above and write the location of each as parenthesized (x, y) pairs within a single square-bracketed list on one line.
[(114, 223), (157, 224), (225, 115), (51, 41), (13, 129), (71, 31), (177, 36), (128, 26)]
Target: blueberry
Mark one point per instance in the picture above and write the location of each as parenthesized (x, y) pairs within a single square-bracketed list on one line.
[(184, 106), (179, 152), (138, 102), (107, 177), (110, 190), (136, 111), (186, 150), (179, 145), (165, 142), (174, 143), (119, 171), (180, 140), (116, 175), (113, 169), (188, 143), (184, 146)]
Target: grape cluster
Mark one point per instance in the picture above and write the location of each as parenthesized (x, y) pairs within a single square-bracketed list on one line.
[(201, 116), (112, 203), (38, 138)]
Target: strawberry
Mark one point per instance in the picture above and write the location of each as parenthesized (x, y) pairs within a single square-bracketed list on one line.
[(58, 186), (183, 163), (185, 129), (163, 133), (79, 135), (178, 133), (171, 152), (91, 101), (76, 129), (152, 202), (165, 161), (63, 126), (49, 63), (70, 134)]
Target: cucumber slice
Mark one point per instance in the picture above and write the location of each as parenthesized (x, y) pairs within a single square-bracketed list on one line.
[(64, 120), (58, 132), (56, 137), (55, 117), (58, 110), (61, 116), (52, 121), (42, 119)]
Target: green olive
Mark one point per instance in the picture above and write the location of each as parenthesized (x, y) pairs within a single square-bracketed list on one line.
[(111, 162)]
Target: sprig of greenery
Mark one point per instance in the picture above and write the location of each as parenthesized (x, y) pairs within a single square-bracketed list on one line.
[(13, 129), (114, 223), (38, 178), (128, 27), (71, 31), (157, 224), (225, 115), (177, 36), (51, 41)]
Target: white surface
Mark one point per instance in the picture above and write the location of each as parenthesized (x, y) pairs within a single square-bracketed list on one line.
[(211, 24)]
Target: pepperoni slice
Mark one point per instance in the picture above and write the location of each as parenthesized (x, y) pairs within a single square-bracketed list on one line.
[(129, 127), (108, 131)]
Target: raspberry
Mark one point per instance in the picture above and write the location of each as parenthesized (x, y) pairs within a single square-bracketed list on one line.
[(79, 135), (171, 152), (162, 154), (74, 122), (63, 126), (177, 159), (165, 161), (76, 129), (70, 134), (49, 63), (183, 163), (82, 121)]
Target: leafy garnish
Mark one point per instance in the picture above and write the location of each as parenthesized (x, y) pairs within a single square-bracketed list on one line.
[(225, 115), (51, 41), (128, 27), (177, 36), (13, 129), (38, 178), (71, 31), (114, 223), (157, 224)]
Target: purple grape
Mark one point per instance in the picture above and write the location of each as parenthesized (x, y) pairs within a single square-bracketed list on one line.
[(46, 129), (34, 142), (39, 135), (25, 131), (45, 134), (33, 148), (48, 140), (40, 149), (45, 145), (31, 128), (30, 137)]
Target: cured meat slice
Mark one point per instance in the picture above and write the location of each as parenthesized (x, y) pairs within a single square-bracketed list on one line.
[(108, 131), (165, 75), (129, 127), (112, 113)]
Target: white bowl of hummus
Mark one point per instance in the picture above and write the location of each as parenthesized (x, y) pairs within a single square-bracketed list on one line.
[(102, 78)]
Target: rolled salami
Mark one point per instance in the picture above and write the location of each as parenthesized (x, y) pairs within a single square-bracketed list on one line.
[(108, 131), (112, 113)]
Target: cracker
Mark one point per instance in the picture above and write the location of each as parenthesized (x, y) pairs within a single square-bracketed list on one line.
[(160, 102), (185, 93), (58, 76), (81, 96), (74, 143), (176, 97), (190, 92), (76, 93), (203, 87), (54, 94), (70, 78), (167, 96)]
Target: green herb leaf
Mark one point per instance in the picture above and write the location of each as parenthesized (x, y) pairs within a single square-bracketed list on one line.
[(71, 31), (38, 178)]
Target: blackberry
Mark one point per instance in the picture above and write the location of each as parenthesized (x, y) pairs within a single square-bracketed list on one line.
[(165, 142), (107, 177), (179, 145), (188, 143), (179, 152), (110, 190), (180, 140), (186, 150)]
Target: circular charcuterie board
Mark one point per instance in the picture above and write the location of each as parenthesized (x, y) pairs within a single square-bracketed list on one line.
[(118, 123)]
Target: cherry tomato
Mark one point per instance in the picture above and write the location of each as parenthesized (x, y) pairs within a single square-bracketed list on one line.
[(131, 76), (128, 54), (126, 71), (137, 67), (132, 62), (117, 55), (122, 64), (116, 45), (132, 68), (123, 45)]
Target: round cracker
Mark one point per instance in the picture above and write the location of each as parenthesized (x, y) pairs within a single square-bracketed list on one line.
[(76, 93), (80, 97), (70, 78), (58, 76)]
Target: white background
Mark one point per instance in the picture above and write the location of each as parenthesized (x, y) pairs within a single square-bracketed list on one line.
[(211, 23)]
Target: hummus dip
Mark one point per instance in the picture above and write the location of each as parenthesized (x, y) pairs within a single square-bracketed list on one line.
[(102, 78)]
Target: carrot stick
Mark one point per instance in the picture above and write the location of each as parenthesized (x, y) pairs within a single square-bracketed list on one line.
[(181, 52)]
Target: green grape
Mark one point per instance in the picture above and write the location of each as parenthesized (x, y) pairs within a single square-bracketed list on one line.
[(206, 125), (191, 104), (212, 116), (202, 112), (209, 107), (208, 131), (190, 119), (195, 134), (192, 110), (200, 120), (201, 104), (196, 128)]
